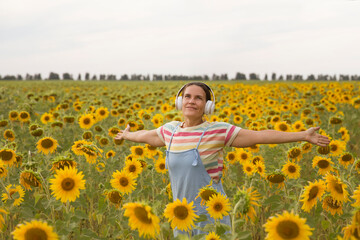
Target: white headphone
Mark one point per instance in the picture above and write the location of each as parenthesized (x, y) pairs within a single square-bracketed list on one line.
[(209, 106)]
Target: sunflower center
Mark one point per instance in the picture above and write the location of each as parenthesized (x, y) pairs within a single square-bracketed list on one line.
[(139, 151), (244, 156), (292, 169), (231, 157), (324, 150), (142, 215), (288, 229), (6, 155), (35, 234), (23, 115), (338, 187), (162, 166), (323, 163), (86, 121), (2, 170), (9, 134), (124, 181), (47, 118), (276, 178), (115, 197), (181, 212), (31, 180), (333, 148), (313, 193), (132, 168), (102, 112), (283, 127), (346, 158), (206, 194), (218, 207), (248, 169), (13, 115), (294, 153), (47, 143), (67, 184), (333, 203)]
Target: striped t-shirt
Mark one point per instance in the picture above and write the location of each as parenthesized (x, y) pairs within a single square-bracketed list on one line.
[(217, 136)]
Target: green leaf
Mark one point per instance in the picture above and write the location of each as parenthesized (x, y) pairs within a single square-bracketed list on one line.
[(325, 224), (201, 218)]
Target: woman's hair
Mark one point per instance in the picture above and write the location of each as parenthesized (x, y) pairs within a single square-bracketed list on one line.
[(205, 87)]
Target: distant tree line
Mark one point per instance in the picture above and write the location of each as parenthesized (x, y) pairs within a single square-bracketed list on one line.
[(160, 77)]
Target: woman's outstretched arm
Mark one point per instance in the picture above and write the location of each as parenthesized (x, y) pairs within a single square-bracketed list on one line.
[(247, 138), (142, 136)]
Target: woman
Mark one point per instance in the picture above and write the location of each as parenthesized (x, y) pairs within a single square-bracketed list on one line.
[(194, 146)]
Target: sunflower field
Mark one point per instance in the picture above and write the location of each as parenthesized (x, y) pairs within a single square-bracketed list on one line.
[(64, 176)]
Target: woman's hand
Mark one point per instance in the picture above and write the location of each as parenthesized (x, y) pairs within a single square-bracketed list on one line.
[(313, 137), (122, 133)]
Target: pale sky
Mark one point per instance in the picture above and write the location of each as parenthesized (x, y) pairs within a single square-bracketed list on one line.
[(189, 37)]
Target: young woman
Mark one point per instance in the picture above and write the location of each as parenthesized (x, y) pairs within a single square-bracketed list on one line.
[(195, 146)]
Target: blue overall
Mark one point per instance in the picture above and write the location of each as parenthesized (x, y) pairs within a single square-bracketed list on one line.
[(187, 176)]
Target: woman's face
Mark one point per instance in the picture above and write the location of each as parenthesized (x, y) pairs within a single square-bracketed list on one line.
[(193, 103)]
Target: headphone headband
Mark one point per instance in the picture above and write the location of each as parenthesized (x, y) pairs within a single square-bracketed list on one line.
[(182, 88)]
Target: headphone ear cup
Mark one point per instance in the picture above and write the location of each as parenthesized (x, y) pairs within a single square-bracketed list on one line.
[(209, 107), (178, 103)]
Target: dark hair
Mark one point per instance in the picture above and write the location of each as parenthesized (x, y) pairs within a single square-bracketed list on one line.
[(205, 87)]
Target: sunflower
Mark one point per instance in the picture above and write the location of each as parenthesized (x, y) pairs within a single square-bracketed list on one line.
[(3, 170), (324, 164), (331, 205), (346, 159), (151, 151), (9, 135), (282, 126), (15, 193), (312, 193), (110, 154), (256, 159), (356, 197), (276, 178), (134, 126), (2, 220), (3, 123), (113, 131), (218, 206), (160, 165), (357, 166), (334, 120), (7, 156), (121, 122), (104, 141), (123, 181), (260, 168), (298, 126), (245, 201), (287, 226), (242, 155), (47, 145), (102, 113), (337, 147), (63, 162), (133, 167), (249, 168), (212, 236), (181, 214), (157, 120), (336, 188), (34, 230), (306, 147), (206, 192), (13, 115), (114, 196), (87, 135), (142, 218), (86, 121), (138, 151), (67, 184), (24, 116), (46, 118), (351, 232), (69, 119), (344, 134), (77, 146), (294, 153), (323, 150), (114, 112), (90, 153), (29, 179), (291, 170), (231, 157), (237, 119), (169, 192)]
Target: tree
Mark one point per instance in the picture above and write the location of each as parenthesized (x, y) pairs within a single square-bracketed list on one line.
[(79, 77), (240, 76), (124, 77), (273, 76), (253, 76), (87, 76), (67, 76), (266, 77)]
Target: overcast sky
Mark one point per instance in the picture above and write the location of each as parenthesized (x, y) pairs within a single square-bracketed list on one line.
[(189, 37)]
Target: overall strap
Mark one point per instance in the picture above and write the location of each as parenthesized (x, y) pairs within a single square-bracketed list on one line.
[(172, 135), (202, 137)]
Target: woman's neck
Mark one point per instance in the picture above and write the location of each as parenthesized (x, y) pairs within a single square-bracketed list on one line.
[(192, 123)]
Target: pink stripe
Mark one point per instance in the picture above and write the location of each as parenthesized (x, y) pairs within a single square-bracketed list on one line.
[(208, 152), (185, 134), (189, 140), (162, 131), (232, 129), (215, 170)]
